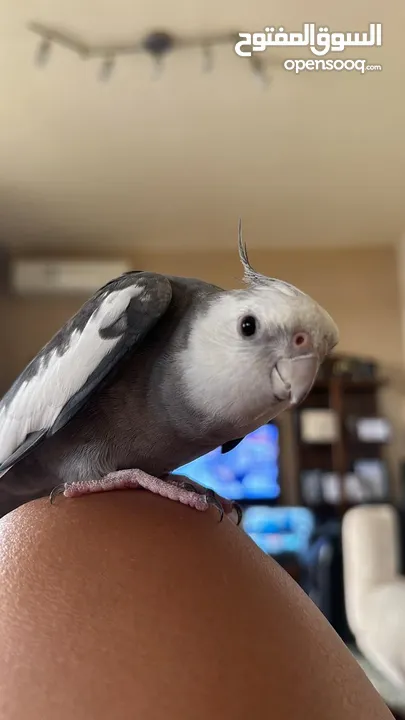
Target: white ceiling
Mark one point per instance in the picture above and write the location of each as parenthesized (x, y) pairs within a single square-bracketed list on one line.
[(317, 158)]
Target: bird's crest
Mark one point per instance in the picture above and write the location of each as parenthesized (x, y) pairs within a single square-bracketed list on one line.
[(251, 276)]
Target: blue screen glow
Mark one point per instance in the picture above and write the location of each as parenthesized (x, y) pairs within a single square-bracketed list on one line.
[(279, 530), (248, 472)]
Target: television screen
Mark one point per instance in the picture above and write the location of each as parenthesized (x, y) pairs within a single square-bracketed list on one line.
[(279, 530), (248, 472)]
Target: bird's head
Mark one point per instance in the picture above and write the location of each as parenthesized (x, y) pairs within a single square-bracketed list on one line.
[(253, 353)]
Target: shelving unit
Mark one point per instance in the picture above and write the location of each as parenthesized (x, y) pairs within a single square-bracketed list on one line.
[(348, 399)]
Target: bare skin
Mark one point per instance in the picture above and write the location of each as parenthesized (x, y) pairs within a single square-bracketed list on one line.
[(126, 605)]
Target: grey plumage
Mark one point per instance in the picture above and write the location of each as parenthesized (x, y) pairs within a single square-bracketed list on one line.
[(151, 373)]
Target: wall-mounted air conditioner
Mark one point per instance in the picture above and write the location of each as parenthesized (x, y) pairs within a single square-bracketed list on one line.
[(63, 277)]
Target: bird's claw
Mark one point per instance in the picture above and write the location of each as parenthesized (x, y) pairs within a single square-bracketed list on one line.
[(58, 490), (238, 511), (212, 499)]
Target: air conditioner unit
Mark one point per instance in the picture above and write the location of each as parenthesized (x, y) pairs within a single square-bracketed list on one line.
[(63, 277)]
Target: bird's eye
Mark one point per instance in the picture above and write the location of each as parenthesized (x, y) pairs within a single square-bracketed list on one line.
[(248, 325)]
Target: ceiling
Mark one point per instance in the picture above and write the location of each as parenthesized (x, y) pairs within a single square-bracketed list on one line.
[(314, 159)]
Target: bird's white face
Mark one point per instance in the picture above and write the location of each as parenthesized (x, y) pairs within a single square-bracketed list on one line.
[(253, 353)]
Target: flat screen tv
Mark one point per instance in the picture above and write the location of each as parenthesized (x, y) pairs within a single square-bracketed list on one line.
[(248, 472)]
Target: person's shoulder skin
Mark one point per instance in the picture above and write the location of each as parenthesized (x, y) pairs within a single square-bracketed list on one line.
[(125, 605)]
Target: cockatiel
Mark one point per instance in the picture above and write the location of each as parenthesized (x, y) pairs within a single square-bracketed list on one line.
[(152, 372)]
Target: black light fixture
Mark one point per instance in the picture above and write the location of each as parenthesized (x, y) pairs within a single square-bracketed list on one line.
[(44, 51), (157, 44)]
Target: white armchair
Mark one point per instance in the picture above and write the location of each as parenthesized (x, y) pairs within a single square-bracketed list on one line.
[(374, 589)]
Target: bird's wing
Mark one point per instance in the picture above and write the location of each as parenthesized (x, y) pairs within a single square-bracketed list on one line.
[(59, 380)]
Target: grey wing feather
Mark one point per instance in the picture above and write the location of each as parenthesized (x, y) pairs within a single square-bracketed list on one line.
[(30, 442), (60, 379)]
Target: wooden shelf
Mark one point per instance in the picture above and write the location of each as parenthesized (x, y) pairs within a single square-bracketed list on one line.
[(346, 398)]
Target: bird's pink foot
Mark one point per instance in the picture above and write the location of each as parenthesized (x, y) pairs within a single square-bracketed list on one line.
[(174, 487)]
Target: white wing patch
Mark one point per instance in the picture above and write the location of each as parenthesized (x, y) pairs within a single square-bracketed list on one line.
[(39, 400)]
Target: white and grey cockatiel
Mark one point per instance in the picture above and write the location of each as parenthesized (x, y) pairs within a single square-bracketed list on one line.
[(152, 372)]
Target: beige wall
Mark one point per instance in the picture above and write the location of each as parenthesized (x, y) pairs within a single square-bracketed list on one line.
[(358, 287)]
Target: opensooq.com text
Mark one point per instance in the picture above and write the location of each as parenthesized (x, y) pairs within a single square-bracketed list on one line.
[(359, 65)]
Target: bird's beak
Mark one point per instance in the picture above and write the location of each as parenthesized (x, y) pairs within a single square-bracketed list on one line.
[(292, 378)]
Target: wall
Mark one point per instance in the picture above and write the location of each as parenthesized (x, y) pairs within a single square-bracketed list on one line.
[(357, 286)]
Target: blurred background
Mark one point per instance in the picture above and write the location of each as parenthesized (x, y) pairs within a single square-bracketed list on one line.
[(146, 160)]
